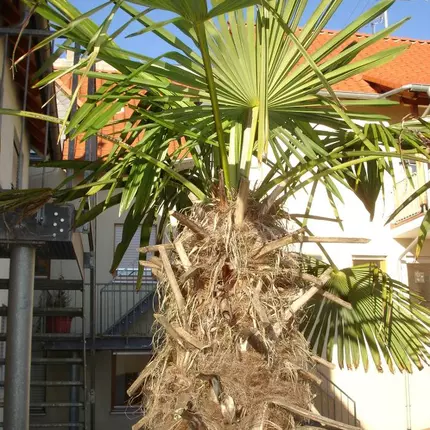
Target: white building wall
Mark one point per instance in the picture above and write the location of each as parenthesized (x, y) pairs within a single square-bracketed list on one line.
[(384, 401)]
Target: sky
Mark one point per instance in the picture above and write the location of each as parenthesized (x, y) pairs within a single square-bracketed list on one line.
[(416, 28)]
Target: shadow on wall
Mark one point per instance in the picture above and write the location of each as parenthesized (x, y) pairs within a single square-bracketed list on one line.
[(332, 402)]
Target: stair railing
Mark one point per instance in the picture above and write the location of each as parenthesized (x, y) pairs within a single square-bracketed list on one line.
[(119, 300), (332, 402)]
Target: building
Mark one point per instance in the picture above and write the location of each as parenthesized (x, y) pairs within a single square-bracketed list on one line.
[(83, 363), (74, 308)]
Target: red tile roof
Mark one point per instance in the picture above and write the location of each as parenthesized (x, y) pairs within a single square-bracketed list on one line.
[(104, 145), (412, 66)]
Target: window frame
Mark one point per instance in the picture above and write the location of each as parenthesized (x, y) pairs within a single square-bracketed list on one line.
[(381, 259), (121, 273), (40, 261), (122, 409)]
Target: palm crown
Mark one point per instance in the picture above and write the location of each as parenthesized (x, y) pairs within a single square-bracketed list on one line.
[(243, 85)]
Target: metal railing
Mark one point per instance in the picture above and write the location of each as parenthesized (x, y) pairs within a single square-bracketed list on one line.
[(124, 310), (332, 402), (404, 189)]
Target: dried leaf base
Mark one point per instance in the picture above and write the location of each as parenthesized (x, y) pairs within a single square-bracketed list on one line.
[(227, 347)]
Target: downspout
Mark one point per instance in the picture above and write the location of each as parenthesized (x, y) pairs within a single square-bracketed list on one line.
[(427, 111), (403, 278)]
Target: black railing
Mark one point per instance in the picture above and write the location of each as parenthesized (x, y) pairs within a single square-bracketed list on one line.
[(332, 402)]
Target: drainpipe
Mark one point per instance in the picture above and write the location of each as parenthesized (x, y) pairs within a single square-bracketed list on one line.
[(427, 111), (18, 342), (403, 278)]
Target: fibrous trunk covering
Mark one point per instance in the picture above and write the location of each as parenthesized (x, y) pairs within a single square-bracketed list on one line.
[(227, 342)]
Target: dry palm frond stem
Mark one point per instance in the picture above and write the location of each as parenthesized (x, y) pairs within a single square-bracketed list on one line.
[(226, 338)]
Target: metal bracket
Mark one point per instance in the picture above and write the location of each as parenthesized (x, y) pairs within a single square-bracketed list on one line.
[(51, 228), (52, 223), (92, 396), (84, 229)]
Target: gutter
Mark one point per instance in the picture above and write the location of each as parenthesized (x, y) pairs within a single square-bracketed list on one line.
[(417, 88)]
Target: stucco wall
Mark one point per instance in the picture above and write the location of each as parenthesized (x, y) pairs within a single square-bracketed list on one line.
[(384, 401), (10, 131), (105, 419)]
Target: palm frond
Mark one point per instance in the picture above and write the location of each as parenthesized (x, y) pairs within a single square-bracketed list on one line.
[(387, 320)]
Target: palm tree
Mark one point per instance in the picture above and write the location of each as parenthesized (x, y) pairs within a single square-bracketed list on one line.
[(243, 316)]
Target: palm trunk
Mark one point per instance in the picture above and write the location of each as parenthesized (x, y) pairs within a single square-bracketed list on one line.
[(227, 346)]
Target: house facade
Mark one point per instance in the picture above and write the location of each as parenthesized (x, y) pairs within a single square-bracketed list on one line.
[(83, 361)]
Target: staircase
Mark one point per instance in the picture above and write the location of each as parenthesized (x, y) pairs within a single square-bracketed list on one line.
[(123, 310), (124, 323), (58, 382)]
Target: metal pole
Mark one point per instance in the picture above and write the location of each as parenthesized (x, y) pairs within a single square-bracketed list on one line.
[(18, 343), (93, 328), (386, 19), (74, 393)]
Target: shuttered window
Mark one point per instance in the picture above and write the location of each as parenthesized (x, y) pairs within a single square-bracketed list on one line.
[(130, 261)]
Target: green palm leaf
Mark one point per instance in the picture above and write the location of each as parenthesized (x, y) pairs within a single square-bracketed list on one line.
[(240, 90), (382, 323)]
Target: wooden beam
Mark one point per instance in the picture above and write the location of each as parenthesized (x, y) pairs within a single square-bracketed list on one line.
[(316, 239), (193, 226), (279, 243), (155, 248), (298, 411), (180, 301), (323, 362), (303, 299)]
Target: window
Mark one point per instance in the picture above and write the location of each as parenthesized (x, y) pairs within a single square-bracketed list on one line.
[(130, 262), (412, 165), (125, 369), (419, 281), (378, 261), (42, 267)]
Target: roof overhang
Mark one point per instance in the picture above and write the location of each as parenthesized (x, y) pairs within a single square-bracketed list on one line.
[(42, 134)]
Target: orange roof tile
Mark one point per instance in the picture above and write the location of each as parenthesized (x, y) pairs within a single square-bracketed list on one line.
[(412, 66)]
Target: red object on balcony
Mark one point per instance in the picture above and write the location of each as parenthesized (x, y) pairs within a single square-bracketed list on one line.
[(58, 324)]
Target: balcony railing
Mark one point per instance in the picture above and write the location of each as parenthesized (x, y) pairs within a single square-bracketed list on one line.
[(403, 190), (332, 402), (123, 310)]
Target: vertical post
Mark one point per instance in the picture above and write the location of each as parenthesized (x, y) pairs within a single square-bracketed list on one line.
[(18, 341), (74, 393), (75, 82), (355, 414), (386, 19), (91, 155), (93, 314)]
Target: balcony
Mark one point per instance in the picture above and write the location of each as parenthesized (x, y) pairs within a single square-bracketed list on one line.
[(417, 207)]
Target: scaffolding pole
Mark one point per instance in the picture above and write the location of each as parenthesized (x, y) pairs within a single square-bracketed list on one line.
[(18, 342)]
